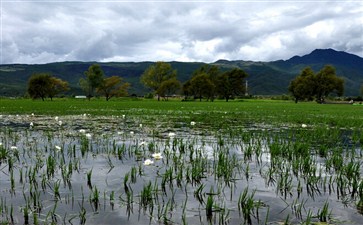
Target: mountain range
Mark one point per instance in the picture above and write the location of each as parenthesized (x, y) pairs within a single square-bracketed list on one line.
[(265, 78)]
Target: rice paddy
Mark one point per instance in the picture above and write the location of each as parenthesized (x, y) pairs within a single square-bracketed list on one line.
[(147, 162)]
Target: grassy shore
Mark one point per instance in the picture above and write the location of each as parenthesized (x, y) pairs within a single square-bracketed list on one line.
[(238, 111)]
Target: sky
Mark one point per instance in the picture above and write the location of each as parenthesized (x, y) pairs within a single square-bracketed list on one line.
[(40, 31)]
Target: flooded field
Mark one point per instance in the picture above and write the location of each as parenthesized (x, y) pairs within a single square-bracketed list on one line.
[(175, 168)]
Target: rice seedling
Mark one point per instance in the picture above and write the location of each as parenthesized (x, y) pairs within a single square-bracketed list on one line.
[(95, 198), (209, 205), (324, 214), (231, 146), (89, 179), (146, 199)]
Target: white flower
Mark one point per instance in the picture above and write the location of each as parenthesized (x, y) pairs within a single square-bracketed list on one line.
[(148, 162), (58, 148), (60, 122), (13, 147), (1, 144), (192, 123), (131, 132), (31, 124), (157, 156), (140, 125), (120, 132), (123, 116), (143, 143), (88, 135), (304, 125), (82, 131), (85, 115), (171, 134), (56, 118), (32, 114)]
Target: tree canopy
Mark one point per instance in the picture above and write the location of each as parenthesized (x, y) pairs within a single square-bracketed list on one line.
[(44, 85), (309, 85), (156, 74), (209, 82), (201, 86), (94, 78), (113, 86), (168, 88), (231, 83)]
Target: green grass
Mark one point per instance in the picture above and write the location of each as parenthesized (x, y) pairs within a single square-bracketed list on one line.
[(233, 112)]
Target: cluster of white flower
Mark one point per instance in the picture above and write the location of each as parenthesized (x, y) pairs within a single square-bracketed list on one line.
[(156, 156)]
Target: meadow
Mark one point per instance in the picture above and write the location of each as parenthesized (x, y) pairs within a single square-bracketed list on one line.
[(137, 161)]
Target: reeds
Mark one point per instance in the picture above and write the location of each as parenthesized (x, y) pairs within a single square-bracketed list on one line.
[(206, 169)]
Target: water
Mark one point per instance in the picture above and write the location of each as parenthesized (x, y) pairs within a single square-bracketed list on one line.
[(91, 171)]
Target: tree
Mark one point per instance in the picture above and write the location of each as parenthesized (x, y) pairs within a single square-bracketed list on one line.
[(44, 85), (308, 85), (212, 73), (326, 81), (168, 87), (94, 78), (39, 85), (187, 89), (113, 86), (231, 83), (156, 74), (57, 86), (302, 87), (201, 85)]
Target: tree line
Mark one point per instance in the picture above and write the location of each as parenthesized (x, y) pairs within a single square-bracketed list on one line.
[(309, 85), (208, 82), (45, 85)]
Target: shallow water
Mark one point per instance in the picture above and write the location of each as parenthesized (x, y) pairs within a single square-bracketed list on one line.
[(109, 149)]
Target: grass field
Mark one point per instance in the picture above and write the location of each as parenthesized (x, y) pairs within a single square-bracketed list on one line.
[(244, 111), (137, 161)]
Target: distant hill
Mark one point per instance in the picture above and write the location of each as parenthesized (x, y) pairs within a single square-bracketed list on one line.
[(265, 78), (274, 77)]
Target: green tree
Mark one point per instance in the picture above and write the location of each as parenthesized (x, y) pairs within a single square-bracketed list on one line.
[(44, 85), (308, 85), (231, 83), (168, 87), (302, 87), (212, 73), (94, 78), (113, 86), (156, 74), (326, 81), (187, 89), (57, 86), (39, 85), (201, 86)]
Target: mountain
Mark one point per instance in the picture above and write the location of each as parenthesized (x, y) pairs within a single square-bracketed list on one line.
[(265, 78), (274, 77)]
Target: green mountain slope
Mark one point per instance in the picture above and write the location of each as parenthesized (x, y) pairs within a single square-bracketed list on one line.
[(265, 78)]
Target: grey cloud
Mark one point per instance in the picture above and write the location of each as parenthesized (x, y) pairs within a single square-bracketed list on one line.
[(38, 32)]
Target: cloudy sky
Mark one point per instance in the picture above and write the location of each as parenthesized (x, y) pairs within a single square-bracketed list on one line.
[(43, 31)]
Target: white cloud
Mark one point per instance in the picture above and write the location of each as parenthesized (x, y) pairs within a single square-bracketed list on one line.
[(40, 32)]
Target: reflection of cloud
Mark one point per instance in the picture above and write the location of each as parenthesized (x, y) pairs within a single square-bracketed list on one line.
[(38, 32)]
